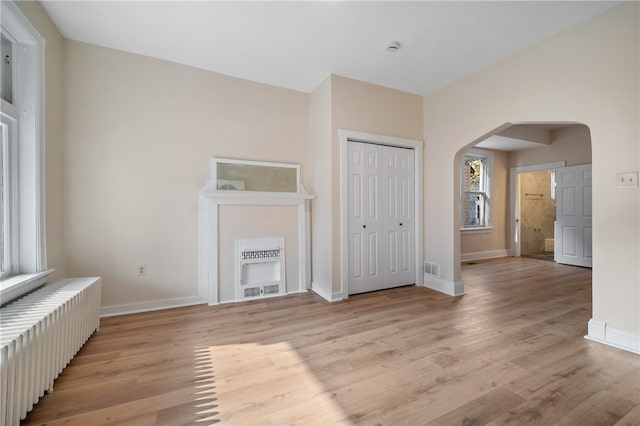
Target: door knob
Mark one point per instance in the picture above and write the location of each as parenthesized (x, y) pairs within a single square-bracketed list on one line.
[(400, 223), (364, 226)]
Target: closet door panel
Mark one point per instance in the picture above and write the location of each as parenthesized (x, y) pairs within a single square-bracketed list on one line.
[(365, 222), (398, 222)]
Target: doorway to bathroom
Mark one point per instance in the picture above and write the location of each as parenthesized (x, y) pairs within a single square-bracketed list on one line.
[(537, 214), (552, 213)]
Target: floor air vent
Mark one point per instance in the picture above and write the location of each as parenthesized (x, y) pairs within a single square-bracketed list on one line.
[(432, 269)]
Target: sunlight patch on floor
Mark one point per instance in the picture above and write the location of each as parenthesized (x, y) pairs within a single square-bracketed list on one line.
[(262, 384)]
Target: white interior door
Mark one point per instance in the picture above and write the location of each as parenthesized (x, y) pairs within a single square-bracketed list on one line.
[(381, 217), (573, 229)]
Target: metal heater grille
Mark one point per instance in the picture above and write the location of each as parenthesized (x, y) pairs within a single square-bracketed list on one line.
[(259, 254), (260, 268)]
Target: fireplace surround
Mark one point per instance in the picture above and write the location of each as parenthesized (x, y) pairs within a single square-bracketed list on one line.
[(210, 201)]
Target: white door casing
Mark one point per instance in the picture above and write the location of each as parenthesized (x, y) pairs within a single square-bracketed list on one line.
[(573, 229), (381, 217)]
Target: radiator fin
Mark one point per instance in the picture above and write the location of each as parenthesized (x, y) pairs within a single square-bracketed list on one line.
[(39, 334)]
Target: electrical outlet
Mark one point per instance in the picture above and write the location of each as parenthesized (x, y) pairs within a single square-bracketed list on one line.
[(142, 270), (627, 180)]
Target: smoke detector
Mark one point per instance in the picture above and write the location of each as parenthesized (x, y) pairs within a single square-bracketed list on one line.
[(393, 46)]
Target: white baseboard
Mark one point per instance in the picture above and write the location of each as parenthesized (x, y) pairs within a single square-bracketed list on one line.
[(452, 288), (329, 297), (133, 308), (488, 254), (600, 332)]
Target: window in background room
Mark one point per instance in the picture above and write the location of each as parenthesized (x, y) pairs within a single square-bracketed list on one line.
[(476, 189)]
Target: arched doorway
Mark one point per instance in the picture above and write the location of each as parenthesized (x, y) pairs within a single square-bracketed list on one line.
[(510, 150)]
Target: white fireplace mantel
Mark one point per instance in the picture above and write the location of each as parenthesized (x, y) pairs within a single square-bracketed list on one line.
[(210, 199)]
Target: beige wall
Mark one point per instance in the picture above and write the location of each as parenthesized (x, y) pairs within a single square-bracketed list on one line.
[(588, 74), (571, 144), (497, 238), (139, 135), (320, 166), (343, 103), (54, 87), (365, 107)]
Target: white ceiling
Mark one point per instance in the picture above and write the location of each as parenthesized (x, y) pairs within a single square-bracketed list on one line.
[(297, 45)]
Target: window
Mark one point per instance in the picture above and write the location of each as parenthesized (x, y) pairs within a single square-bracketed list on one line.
[(23, 263), (476, 190), (8, 124)]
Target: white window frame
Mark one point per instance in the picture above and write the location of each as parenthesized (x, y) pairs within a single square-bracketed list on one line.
[(9, 207), (25, 120), (487, 180)]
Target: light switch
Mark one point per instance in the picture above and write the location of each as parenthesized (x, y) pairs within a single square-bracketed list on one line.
[(627, 180)]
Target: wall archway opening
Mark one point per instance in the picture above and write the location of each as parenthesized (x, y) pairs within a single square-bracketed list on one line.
[(514, 148)]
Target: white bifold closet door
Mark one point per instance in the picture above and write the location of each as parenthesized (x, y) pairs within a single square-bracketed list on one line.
[(381, 217)]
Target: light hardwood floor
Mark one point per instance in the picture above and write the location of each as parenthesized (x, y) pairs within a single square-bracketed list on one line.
[(509, 352)]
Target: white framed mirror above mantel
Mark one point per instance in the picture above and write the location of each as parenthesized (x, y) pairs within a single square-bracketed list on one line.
[(231, 205)]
